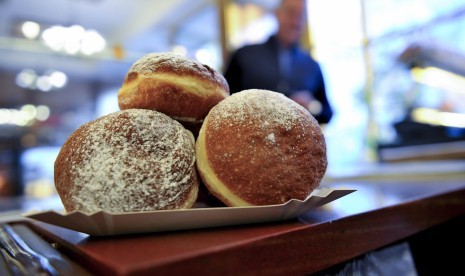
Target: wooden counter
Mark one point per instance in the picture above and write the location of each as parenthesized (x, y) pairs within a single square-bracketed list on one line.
[(378, 214)]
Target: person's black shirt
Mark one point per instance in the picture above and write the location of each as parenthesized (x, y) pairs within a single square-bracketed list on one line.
[(258, 67)]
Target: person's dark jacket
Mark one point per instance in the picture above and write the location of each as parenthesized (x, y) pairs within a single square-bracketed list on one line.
[(257, 67)]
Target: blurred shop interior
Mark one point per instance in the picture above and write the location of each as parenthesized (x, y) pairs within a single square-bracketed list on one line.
[(394, 71)]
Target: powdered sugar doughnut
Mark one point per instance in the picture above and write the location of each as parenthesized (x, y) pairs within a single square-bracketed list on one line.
[(177, 86), (127, 161), (258, 147)]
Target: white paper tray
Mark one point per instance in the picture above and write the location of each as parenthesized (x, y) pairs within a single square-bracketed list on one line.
[(106, 224)]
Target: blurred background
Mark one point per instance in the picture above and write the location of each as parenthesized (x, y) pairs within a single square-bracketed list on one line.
[(394, 72)]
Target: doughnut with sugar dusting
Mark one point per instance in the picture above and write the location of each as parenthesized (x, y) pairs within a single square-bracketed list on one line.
[(177, 86), (258, 147), (127, 161)]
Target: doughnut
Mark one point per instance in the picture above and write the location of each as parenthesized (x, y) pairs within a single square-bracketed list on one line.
[(258, 147), (177, 86), (127, 161)]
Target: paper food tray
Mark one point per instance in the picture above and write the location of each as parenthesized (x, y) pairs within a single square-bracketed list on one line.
[(106, 224)]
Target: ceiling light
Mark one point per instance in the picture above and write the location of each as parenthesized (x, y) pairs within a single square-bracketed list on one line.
[(436, 117), (30, 29), (54, 37), (6, 116), (92, 42), (44, 84), (29, 111), (20, 118), (439, 78), (42, 112), (25, 115), (58, 79), (75, 32), (73, 39), (26, 78), (71, 46)]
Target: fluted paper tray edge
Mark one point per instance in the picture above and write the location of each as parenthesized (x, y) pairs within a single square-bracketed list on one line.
[(106, 224)]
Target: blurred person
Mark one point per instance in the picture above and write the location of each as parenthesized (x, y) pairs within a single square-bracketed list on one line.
[(281, 65)]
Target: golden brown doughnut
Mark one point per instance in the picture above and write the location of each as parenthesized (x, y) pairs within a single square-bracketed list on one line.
[(258, 147), (127, 161), (177, 86)]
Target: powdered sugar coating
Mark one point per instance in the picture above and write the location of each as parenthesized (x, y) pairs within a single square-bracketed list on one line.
[(131, 160), (160, 62), (270, 109), (263, 147)]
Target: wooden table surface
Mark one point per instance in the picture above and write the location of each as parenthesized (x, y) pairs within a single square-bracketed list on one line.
[(379, 213)]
